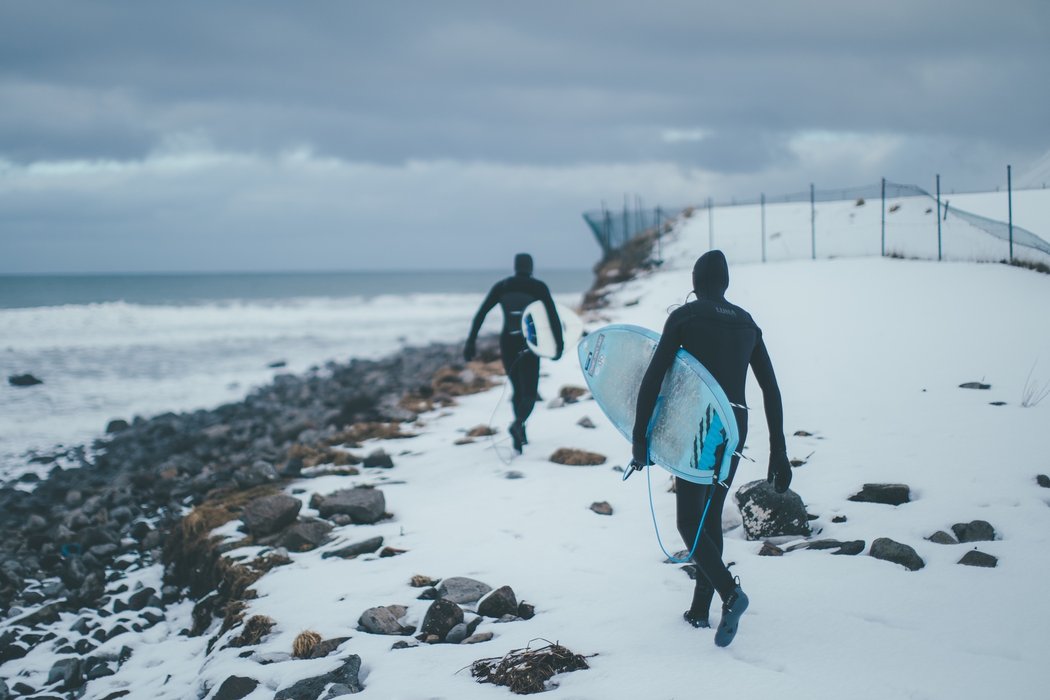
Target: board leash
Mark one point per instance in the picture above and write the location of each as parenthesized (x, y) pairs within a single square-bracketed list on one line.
[(699, 528), (492, 417)]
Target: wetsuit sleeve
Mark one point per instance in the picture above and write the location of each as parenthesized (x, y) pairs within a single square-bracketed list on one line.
[(649, 391), (552, 314), (762, 366), (490, 301)]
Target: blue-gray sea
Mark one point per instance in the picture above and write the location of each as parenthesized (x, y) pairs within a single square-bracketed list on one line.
[(117, 346)]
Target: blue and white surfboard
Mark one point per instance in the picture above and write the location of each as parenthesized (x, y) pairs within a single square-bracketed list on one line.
[(693, 431)]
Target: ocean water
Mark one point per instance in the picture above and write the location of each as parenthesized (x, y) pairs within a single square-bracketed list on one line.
[(137, 345)]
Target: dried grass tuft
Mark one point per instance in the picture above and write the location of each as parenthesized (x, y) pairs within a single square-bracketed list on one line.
[(257, 627), (305, 643)]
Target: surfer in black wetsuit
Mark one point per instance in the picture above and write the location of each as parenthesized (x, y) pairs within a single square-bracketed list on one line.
[(513, 294), (725, 339)]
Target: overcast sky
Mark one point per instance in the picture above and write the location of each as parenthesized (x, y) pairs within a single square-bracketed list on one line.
[(250, 135)]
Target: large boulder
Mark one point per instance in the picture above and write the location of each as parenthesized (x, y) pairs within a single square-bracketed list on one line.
[(978, 558), (498, 603), (888, 550), (23, 380), (441, 617), (346, 675), (267, 515), (974, 531), (460, 589), (384, 620), (889, 494), (235, 688), (766, 513), (364, 506), (305, 535)]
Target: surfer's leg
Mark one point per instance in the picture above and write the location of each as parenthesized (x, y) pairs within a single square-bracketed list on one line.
[(528, 378), (691, 499)]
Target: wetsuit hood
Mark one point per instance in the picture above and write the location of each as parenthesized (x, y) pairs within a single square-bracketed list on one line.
[(711, 275), (523, 264)]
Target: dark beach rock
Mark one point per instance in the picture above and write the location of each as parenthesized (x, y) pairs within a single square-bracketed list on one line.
[(602, 508), (498, 603), (363, 505), (974, 531), (305, 535), (586, 422), (1043, 480), (478, 638), (576, 458), (886, 549), (235, 688), (379, 459), (5, 693), (851, 547), (942, 537), (766, 513), (327, 646), (768, 550), (384, 620), (975, 385), (23, 380), (978, 558), (460, 589), (355, 550), (69, 673), (441, 617), (526, 611), (839, 519), (346, 676), (457, 634), (269, 514), (259, 473), (571, 394), (146, 597), (117, 425), (513, 474), (889, 494)]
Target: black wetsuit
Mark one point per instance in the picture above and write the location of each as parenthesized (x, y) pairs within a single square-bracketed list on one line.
[(725, 339), (513, 294)]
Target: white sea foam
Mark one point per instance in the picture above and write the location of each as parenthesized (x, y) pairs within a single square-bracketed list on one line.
[(119, 360)]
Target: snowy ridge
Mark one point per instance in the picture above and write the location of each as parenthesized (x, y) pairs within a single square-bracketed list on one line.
[(869, 354)]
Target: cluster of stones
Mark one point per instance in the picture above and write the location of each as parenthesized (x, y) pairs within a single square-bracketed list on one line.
[(767, 514), (445, 621), (66, 545)]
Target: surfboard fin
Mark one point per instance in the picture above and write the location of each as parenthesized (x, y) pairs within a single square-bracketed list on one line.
[(632, 467)]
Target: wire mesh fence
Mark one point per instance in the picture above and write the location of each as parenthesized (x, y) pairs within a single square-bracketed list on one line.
[(885, 218)]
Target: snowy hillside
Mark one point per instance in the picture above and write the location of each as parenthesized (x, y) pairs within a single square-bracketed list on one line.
[(869, 353)]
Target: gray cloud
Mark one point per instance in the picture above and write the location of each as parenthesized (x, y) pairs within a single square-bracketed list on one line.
[(773, 95)]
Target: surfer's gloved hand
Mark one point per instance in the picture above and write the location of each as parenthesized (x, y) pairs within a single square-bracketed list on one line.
[(779, 471), (469, 351), (640, 455)]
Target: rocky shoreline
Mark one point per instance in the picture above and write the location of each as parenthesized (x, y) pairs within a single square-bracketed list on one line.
[(66, 545)]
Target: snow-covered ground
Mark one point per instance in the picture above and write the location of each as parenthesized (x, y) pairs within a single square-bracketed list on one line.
[(869, 354)]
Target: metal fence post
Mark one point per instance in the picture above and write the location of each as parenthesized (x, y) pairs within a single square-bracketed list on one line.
[(659, 234), (710, 225), (883, 217), (762, 200), (813, 219), (1010, 210), (938, 216)]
